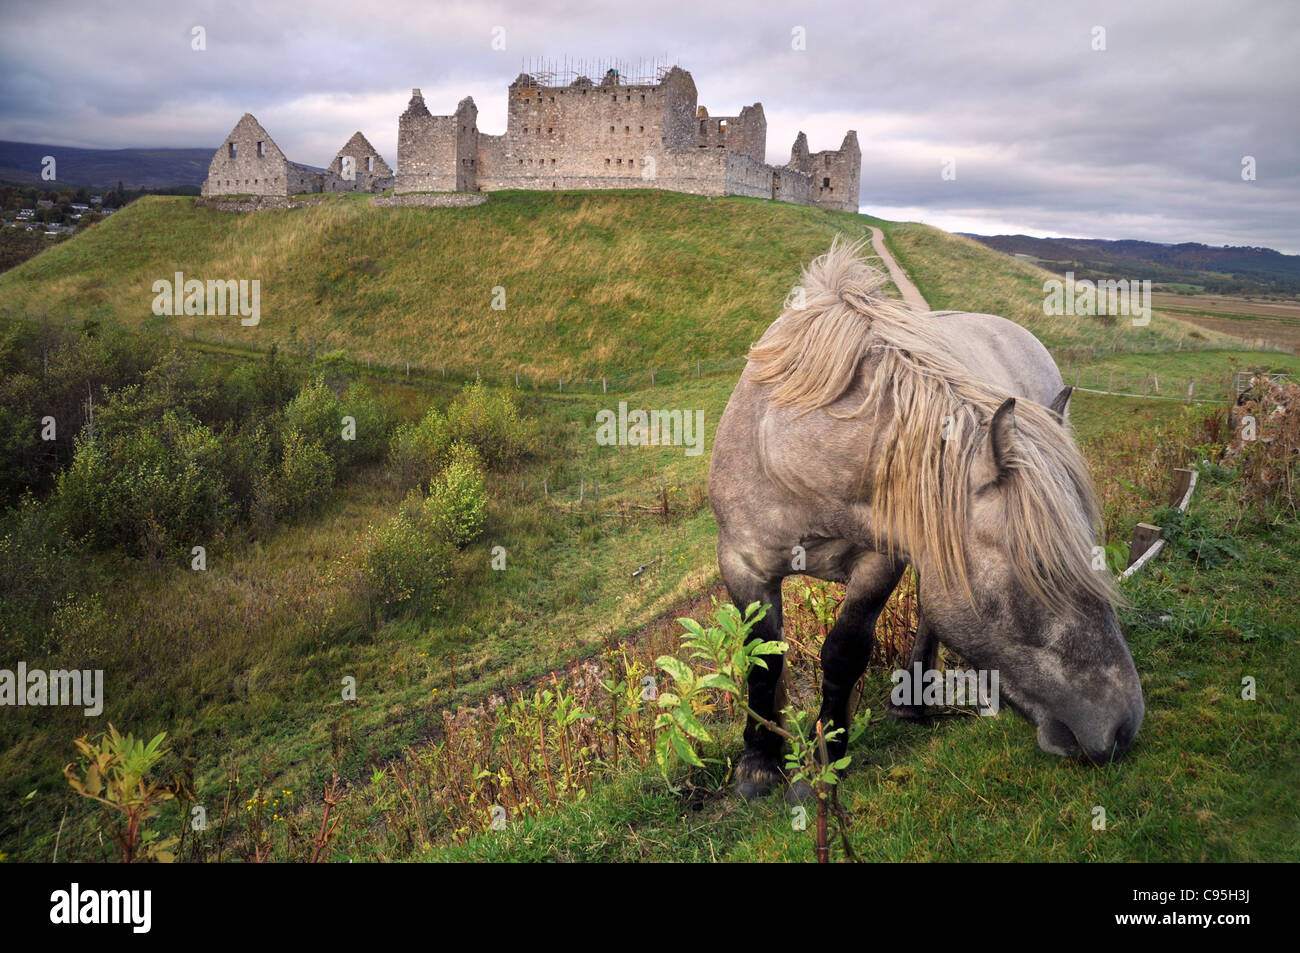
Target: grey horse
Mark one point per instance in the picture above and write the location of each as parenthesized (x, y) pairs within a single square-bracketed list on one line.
[(863, 437)]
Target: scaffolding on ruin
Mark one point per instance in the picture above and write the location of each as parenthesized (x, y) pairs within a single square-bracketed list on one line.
[(564, 72)]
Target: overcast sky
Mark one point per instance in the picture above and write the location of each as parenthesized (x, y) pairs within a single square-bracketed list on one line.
[(1049, 136)]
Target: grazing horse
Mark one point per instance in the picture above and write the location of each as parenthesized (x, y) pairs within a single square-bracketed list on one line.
[(863, 437)]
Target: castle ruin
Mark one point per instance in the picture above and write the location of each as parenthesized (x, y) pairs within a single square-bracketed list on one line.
[(580, 135)]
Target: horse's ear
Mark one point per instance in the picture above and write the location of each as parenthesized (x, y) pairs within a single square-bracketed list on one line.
[(1061, 404), (992, 463)]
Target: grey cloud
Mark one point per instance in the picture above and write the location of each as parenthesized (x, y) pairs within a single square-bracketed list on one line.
[(1142, 140)]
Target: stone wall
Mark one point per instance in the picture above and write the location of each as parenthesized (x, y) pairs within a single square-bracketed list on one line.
[(557, 136), (791, 185), (256, 203), (746, 133), (369, 171), (579, 136), (429, 200), (247, 163), (836, 175), (427, 159)]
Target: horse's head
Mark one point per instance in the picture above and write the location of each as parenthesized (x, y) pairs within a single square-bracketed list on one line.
[(1035, 612)]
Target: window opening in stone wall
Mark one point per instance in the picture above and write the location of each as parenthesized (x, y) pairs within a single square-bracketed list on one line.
[(261, 149), (826, 183), (370, 163), (234, 151)]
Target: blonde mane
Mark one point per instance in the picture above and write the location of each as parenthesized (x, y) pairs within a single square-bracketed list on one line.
[(839, 325)]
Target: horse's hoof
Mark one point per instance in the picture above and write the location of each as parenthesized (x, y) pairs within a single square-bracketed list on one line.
[(756, 776), (907, 712), (800, 792)]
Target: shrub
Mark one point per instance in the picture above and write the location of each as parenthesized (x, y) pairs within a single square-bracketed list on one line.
[(156, 489), (406, 564), (38, 573), (458, 498), (318, 415), (373, 427), (300, 481), (491, 422), (315, 413), (419, 450), (1270, 463)]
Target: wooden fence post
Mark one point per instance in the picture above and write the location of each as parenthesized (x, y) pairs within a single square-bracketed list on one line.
[(1190, 384), (603, 388), (1144, 537), (1182, 482)]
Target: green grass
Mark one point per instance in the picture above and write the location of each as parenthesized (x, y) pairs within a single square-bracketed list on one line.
[(596, 283), (1213, 777)]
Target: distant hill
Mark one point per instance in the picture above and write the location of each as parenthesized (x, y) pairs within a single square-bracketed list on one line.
[(20, 162), (1222, 270)]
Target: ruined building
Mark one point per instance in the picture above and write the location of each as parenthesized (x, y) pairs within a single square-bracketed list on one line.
[(579, 135), (250, 163)]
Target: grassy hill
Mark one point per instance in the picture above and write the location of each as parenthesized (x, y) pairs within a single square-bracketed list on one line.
[(596, 284)]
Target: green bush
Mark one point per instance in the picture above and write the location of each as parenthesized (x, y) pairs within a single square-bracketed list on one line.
[(300, 481), (457, 499), (318, 415), (38, 573), (490, 421), (373, 427), (156, 489), (405, 564), (419, 450)]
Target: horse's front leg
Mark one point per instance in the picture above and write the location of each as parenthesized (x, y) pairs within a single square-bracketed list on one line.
[(759, 768), (847, 648)]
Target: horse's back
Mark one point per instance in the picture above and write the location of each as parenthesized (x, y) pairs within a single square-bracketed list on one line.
[(1001, 352)]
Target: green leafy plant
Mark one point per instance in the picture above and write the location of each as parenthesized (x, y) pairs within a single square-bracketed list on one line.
[(724, 649), (114, 771), (728, 655)]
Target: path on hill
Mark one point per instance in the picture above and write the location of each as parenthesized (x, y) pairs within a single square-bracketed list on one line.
[(911, 297)]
